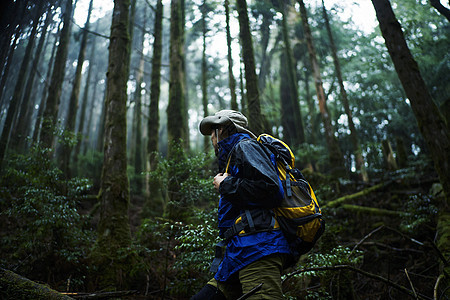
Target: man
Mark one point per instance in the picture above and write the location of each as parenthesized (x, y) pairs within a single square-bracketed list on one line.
[(249, 188)]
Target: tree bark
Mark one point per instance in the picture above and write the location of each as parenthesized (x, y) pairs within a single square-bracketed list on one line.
[(75, 94), (231, 80), (85, 100), (18, 90), (335, 154), (295, 131), (206, 144), (155, 89), (54, 94), (114, 227), (255, 118), (38, 121), (175, 109), (137, 123), (360, 163), (153, 120)]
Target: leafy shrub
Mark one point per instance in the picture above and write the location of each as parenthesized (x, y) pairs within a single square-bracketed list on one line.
[(186, 181), (420, 212), (43, 234)]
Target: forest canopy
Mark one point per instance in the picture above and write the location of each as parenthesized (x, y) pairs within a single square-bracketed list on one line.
[(106, 181)]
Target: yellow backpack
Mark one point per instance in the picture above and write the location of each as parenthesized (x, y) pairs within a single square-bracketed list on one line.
[(299, 215)]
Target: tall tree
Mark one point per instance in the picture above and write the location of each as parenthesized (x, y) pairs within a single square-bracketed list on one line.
[(40, 113), (114, 227), (360, 164), (153, 113), (295, 129), (255, 118), (335, 154), (137, 120), (23, 126), (18, 90), (74, 96), (85, 100), (175, 110), (231, 80), (155, 88), (54, 94), (430, 121), (204, 11)]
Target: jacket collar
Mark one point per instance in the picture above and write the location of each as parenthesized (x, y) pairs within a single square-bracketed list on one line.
[(226, 145)]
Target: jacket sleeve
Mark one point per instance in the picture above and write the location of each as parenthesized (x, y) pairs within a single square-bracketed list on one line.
[(254, 181)]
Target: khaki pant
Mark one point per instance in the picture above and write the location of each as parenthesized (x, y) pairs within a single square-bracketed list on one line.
[(266, 270)]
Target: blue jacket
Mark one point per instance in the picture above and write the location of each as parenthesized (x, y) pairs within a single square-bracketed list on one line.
[(253, 183)]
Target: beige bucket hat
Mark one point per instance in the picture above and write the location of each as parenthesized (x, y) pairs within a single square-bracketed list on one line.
[(225, 117)]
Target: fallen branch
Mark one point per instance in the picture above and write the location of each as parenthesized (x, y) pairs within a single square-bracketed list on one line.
[(367, 274), (101, 295), (364, 238), (346, 198), (373, 210), (14, 286)]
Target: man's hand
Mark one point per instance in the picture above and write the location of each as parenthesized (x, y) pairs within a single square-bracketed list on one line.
[(218, 179)]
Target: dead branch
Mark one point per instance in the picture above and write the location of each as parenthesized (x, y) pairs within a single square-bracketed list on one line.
[(365, 273), (373, 210), (363, 239), (410, 282), (101, 295), (364, 192)]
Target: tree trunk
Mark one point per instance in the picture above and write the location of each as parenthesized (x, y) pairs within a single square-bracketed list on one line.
[(336, 158), (114, 227), (287, 117), (244, 103), (186, 135), (206, 143), (255, 118), (75, 94), (175, 109), (360, 163), (87, 130), (431, 123), (153, 120), (155, 89), (38, 121), (388, 155), (231, 80), (23, 127), (85, 100), (138, 115), (18, 90), (296, 131), (54, 93), (15, 286), (265, 37)]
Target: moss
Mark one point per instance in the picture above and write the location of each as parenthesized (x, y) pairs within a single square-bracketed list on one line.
[(443, 241), (14, 286)]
